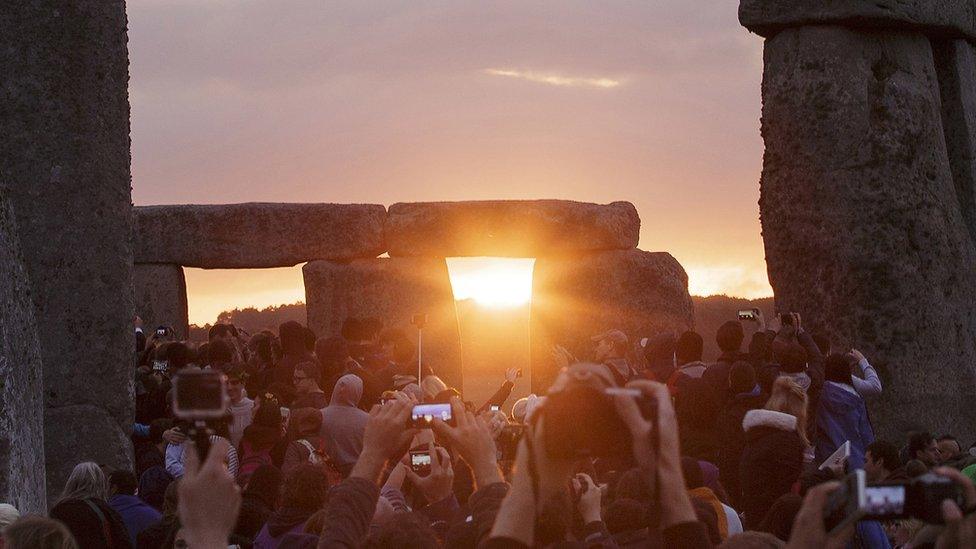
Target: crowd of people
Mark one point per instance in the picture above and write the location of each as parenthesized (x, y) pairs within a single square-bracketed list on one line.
[(640, 443)]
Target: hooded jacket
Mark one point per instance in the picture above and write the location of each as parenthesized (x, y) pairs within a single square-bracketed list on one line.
[(842, 416), (136, 514), (343, 423), (771, 462)]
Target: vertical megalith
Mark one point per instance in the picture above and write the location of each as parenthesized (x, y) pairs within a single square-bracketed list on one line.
[(576, 297), (160, 297), (64, 156), (21, 408), (391, 290), (955, 62), (861, 222)]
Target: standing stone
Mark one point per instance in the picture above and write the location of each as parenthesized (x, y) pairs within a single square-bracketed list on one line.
[(64, 156), (391, 290), (575, 298), (955, 62), (861, 222), (160, 297), (509, 228), (946, 18), (21, 400), (257, 235)]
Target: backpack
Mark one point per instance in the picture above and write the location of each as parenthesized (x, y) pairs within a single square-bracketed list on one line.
[(250, 463)]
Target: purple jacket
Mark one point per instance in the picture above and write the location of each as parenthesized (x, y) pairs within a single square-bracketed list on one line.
[(136, 514)]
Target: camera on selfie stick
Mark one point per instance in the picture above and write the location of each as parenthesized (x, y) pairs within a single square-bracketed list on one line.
[(420, 321), (200, 396)]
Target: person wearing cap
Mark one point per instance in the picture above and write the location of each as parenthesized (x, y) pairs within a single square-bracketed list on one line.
[(611, 351), (240, 407)]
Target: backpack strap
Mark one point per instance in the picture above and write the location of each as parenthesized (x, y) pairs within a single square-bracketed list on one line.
[(106, 529)]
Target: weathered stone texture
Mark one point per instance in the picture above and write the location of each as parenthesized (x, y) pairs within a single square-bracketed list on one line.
[(64, 156), (946, 18), (392, 290), (21, 401), (257, 235), (509, 228), (861, 223), (577, 297), (160, 297), (955, 62)]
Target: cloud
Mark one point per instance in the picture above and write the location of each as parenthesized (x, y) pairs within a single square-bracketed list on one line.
[(554, 79)]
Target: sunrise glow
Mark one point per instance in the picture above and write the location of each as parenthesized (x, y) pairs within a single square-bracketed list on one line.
[(492, 281)]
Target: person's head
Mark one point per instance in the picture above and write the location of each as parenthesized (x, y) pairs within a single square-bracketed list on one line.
[(692, 473), (779, 519), (689, 347), (405, 531), (224, 332), (347, 392), (519, 409), (742, 378), (176, 354), (923, 447), (265, 484), (259, 348), (235, 383), (87, 480), (790, 355), (266, 411), (305, 488), (220, 352), (153, 484), (729, 336), (838, 368), (122, 482), (34, 532), (752, 540), (332, 354), (915, 468), (625, 515), (949, 448), (292, 336), (880, 459), (306, 377), (396, 346), (609, 344), (789, 398), (171, 499), (309, 339), (432, 386)]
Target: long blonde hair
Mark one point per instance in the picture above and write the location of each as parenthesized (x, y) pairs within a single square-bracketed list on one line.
[(87, 480), (789, 398)]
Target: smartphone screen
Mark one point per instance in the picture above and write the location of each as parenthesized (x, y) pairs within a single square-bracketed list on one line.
[(420, 460), (885, 501), (423, 414), (494, 408)]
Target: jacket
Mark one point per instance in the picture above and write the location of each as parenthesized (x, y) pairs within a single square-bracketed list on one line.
[(732, 439), (771, 462), (136, 514), (842, 416)]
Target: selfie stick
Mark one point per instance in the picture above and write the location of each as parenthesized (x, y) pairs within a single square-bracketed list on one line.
[(201, 438), (420, 350)]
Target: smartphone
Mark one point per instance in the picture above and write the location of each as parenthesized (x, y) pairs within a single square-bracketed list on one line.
[(747, 314), (494, 408), (847, 504), (840, 455), (419, 320), (420, 462), (200, 395), (786, 319), (423, 415), (160, 366), (920, 498)]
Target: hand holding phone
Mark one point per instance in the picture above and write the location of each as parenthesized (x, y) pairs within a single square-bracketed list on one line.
[(420, 462), (423, 415)]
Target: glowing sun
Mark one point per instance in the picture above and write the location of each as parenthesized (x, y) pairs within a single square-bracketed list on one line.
[(492, 281)]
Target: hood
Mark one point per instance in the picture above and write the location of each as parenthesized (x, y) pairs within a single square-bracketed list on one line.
[(835, 399), (768, 418), (348, 390)]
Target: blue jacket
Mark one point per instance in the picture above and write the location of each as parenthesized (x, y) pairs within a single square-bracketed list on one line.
[(136, 514), (842, 416)]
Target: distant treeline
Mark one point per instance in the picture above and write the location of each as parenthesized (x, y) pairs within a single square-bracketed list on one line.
[(710, 313)]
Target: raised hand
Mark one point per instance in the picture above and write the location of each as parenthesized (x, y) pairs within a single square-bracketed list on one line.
[(809, 531), (209, 499), (471, 437), (439, 484)]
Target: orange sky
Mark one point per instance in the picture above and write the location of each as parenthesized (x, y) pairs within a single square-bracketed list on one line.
[(656, 103)]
